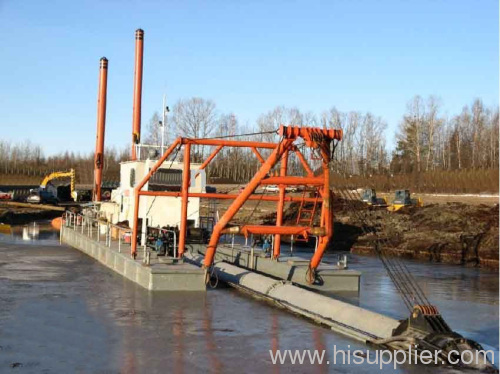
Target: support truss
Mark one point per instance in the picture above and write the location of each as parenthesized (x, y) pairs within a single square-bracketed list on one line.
[(315, 138)]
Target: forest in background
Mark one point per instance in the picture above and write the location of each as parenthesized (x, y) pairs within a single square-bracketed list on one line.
[(433, 153)]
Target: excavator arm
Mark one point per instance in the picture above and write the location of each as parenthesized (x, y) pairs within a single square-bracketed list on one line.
[(61, 174)]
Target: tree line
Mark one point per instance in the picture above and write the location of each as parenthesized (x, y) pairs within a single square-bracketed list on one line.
[(26, 161), (427, 140)]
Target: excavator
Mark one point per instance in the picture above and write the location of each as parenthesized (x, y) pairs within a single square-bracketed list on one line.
[(402, 198), (41, 195)]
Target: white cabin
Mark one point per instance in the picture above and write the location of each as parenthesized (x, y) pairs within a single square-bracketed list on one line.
[(158, 210)]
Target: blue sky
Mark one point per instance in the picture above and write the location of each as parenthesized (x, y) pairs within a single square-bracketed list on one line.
[(247, 56)]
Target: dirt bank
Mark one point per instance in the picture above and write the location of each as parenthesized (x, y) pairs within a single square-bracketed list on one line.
[(453, 233), (449, 228), (13, 215)]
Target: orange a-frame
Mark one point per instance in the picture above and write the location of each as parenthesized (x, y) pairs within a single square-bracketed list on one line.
[(317, 138)]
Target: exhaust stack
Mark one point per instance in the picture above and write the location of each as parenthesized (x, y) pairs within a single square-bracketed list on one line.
[(136, 125), (101, 124)]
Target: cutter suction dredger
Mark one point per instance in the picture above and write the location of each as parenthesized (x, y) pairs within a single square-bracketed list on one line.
[(424, 331)]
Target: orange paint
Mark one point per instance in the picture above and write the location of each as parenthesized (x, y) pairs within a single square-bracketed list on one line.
[(101, 125), (314, 137), (56, 223), (136, 116)]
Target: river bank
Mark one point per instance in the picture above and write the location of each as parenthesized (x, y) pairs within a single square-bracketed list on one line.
[(18, 214)]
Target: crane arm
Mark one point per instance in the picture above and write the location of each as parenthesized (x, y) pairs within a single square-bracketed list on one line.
[(61, 174)]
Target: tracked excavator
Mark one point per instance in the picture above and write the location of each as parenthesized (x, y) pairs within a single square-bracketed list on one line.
[(41, 195)]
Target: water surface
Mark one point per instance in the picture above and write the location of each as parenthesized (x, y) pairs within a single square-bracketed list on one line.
[(63, 312)]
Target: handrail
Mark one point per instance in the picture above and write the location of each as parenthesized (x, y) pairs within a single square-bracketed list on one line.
[(71, 219), (171, 231)]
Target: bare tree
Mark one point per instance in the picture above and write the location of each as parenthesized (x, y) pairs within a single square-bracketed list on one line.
[(153, 134), (195, 118)]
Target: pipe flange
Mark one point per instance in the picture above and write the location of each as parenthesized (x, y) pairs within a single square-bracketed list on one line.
[(210, 274), (310, 276)]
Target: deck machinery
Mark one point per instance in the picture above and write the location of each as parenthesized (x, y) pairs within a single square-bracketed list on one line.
[(319, 140)]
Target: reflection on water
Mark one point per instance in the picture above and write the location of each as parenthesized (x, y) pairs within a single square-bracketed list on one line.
[(61, 311), (39, 233), (31, 231)]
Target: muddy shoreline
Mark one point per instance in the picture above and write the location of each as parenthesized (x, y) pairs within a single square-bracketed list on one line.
[(451, 233), (20, 215)]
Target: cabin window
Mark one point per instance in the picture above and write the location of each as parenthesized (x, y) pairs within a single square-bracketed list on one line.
[(132, 177)]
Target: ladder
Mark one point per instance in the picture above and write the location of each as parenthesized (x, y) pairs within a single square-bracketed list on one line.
[(305, 216), (208, 222)]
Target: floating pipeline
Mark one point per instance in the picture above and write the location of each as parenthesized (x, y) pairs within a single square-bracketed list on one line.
[(425, 329)]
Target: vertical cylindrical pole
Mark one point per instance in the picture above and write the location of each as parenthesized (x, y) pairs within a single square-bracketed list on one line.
[(327, 217), (185, 189), (101, 124), (135, 229), (281, 203), (242, 197), (163, 110), (136, 120)]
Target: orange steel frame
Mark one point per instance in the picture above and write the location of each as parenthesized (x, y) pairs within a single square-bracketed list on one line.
[(317, 138), (101, 124), (136, 115)]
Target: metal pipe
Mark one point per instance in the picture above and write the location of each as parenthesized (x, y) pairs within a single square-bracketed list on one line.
[(304, 163), (274, 230), (326, 214), (315, 181), (210, 158), (186, 176), (222, 196), (137, 194), (136, 125), (175, 238), (345, 318), (61, 231), (229, 143), (242, 197), (281, 203), (258, 155), (310, 134), (101, 124)]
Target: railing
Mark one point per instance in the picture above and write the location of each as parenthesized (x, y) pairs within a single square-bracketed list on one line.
[(143, 151), (86, 224), (170, 231)]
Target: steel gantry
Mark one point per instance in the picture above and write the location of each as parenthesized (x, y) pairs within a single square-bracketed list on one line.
[(315, 138)]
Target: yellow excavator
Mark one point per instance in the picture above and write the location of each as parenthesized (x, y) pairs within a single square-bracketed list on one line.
[(402, 198), (41, 195)]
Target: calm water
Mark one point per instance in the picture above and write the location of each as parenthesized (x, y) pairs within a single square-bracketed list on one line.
[(62, 312)]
